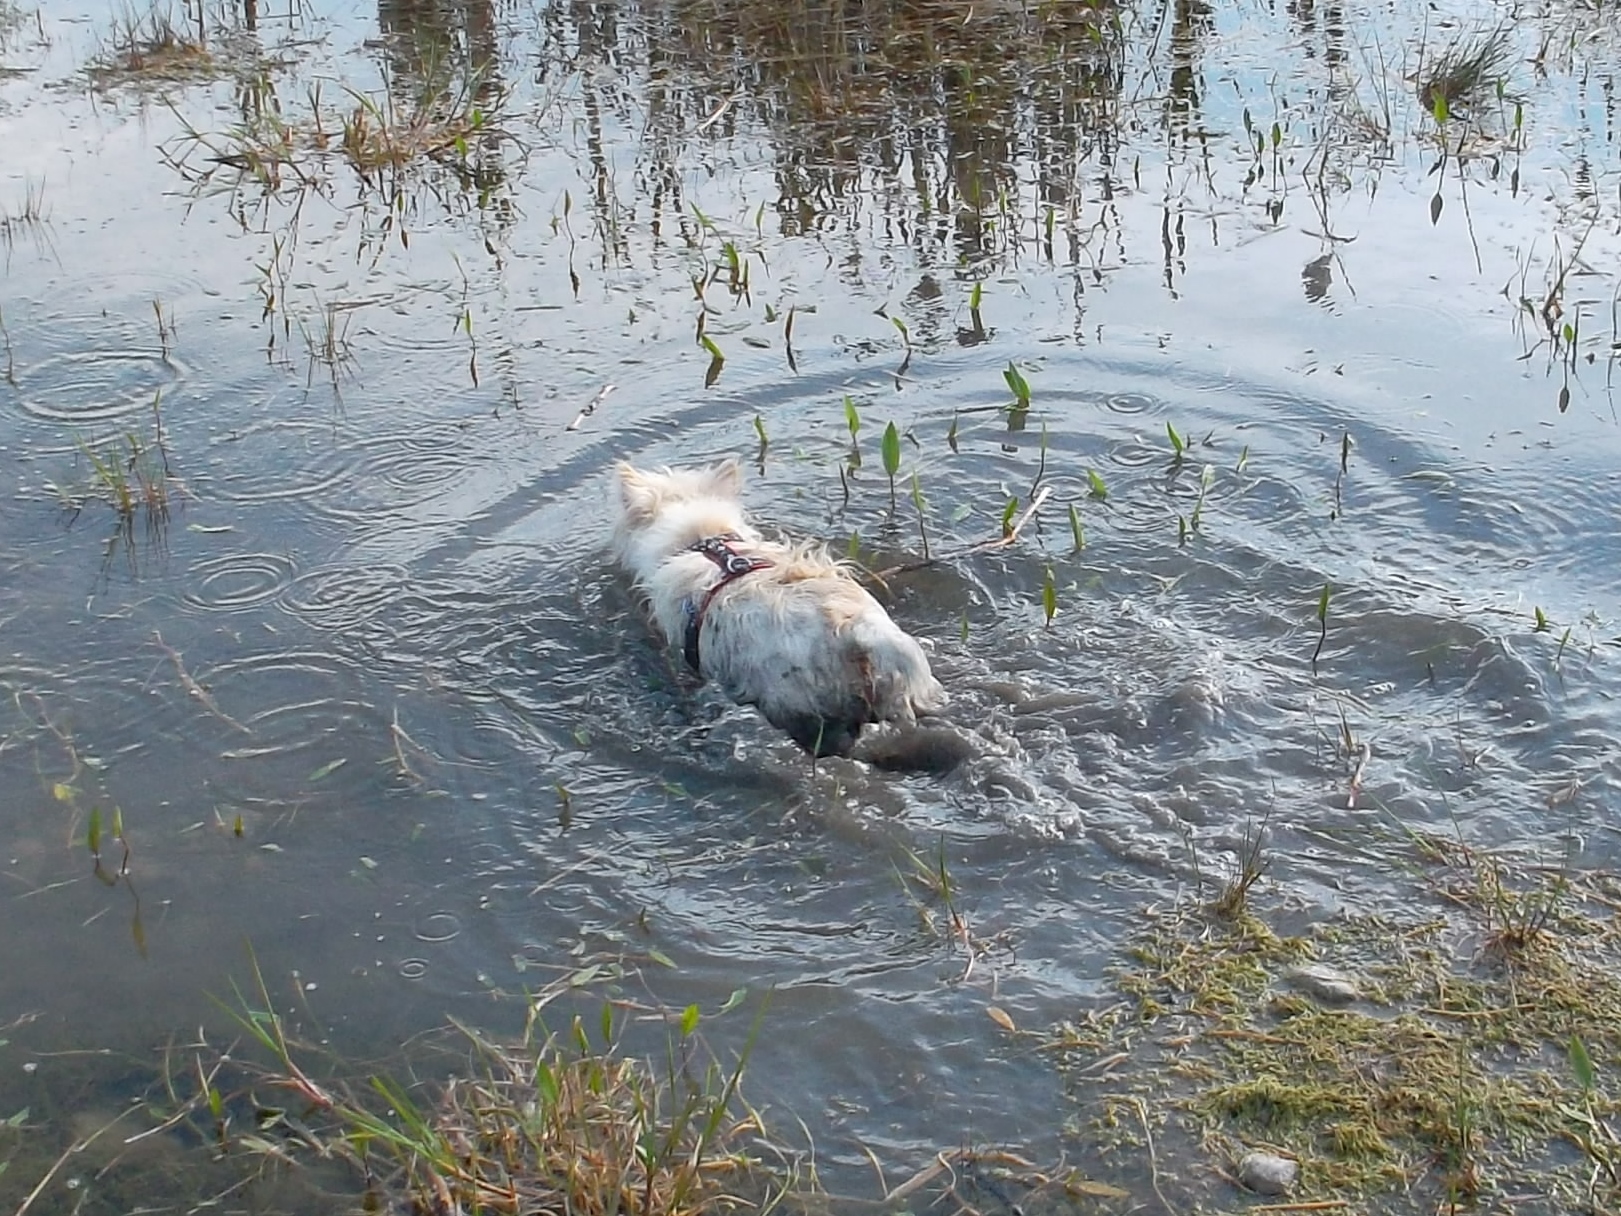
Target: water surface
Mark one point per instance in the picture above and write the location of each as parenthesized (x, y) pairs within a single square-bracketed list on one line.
[(368, 698)]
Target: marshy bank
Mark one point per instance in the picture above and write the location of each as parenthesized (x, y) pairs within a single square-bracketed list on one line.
[(320, 328)]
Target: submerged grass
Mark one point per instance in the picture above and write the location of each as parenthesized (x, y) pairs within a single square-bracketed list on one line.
[(1452, 1060)]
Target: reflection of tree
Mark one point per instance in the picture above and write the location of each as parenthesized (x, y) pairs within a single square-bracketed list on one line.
[(444, 55), (459, 34), (959, 124)]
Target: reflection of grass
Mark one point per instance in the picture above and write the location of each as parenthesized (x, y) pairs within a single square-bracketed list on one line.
[(29, 217), (1464, 1071), (153, 47), (440, 116)]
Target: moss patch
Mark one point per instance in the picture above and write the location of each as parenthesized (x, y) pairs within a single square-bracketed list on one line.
[(1479, 1066)]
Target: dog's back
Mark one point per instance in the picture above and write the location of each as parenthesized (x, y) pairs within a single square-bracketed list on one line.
[(817, 655)]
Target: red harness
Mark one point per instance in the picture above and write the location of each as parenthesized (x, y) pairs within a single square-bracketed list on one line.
[(733, 565)]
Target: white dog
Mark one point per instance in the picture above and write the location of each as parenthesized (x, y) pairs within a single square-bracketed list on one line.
[(784, 628)]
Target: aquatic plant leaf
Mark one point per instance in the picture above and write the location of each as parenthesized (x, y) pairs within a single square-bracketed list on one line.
[(891, 449), (689, 1020), (1017, 384)]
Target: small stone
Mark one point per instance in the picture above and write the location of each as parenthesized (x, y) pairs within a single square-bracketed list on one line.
[(1268, 1173), (1325, 984)]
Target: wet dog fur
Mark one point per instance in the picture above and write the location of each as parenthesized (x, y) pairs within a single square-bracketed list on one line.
[(799, 638)]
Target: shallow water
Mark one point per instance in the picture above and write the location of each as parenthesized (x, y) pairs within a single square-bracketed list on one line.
[(376, 632)]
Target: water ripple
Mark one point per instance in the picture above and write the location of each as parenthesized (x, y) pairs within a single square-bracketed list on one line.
[(85, 387), (239, 581), (343, 597)]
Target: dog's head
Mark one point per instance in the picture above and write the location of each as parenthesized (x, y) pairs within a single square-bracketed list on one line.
[(664, 510), (645, 493)]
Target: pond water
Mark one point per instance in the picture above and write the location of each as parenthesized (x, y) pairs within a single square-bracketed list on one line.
[(358, 306)]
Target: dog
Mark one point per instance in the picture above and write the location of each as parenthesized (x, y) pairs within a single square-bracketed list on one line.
[(784, 628)]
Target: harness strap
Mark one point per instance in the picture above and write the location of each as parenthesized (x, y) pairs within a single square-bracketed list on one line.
[(733, 565)]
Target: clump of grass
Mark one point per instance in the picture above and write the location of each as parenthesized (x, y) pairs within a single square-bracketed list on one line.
[(1249, 868), (1471, 66), (558, 1121), (129, 474)]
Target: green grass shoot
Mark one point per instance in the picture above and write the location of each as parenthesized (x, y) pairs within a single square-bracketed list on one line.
[(922, 505), (1018, 386), (1098, 490), (1322, 624), (1049, 597), (1179, 444), (852, 418), (891, 451), (1077, 533), (716, 360), (1542, 621), (1008, 512)]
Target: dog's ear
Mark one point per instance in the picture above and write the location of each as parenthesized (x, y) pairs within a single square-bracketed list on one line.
[(636, 493), (726, 479)]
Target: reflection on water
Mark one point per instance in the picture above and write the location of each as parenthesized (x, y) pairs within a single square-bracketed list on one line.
[(371, 700)]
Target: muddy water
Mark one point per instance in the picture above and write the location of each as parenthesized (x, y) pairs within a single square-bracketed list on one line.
[(367, 698)]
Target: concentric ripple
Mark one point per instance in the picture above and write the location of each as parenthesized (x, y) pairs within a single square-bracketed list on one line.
[(343, 597), (94, 386), (237, 582)]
